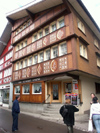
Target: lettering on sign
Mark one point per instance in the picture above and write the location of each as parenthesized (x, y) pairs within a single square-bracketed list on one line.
[(53, 37)]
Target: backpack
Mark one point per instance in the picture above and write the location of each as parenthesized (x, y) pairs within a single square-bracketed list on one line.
[(64, 111)]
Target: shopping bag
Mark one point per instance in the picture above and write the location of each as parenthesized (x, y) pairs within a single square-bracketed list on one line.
[(90, 126)]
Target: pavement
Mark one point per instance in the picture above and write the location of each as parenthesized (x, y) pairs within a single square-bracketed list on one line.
[(36, 123)]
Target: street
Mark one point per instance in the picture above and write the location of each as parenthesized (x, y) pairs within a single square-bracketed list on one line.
[(30, 124)]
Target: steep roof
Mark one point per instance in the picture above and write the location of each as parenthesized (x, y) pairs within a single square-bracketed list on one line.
[(5, 37), (40, 5)]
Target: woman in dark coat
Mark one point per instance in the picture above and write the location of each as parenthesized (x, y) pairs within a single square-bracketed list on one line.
[(68, 117)]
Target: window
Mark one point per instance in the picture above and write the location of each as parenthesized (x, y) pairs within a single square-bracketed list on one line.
[(30, 61), (63, 48), (54, 51), (25, 62), (97, 87), (17, 89), (47, 54), (98, 61), (2, 61), (21, 45), (41, 57), (24, 26), (46, 31), (0, 75), (35, 38), (83, 50), (81, 26), (53, 27), (21, 64), (17, 31), (17, 47), (37, 88), (60, 22), (96, 43), (40, 34), (17, 65), (35, 59), (26, 89), (25, 43), (7, 72)]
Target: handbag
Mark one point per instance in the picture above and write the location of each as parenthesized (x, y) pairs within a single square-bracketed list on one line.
[(90, 126)]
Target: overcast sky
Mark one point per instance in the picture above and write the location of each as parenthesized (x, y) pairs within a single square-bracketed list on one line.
[(93, 7)]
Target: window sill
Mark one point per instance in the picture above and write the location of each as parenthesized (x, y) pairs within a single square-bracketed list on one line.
[(97, 47), (98, 67), (81, 31), (84, 58)]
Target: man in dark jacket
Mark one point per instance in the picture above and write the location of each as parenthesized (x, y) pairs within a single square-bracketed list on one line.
[(15, 112), (69, 117)]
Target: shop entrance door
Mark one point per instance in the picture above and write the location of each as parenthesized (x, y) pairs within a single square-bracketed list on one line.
[(56, 92)]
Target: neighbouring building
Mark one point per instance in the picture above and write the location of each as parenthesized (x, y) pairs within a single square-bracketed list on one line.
[(6, 52), (56, 54)]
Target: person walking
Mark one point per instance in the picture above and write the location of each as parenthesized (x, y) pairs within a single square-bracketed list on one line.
[(94, 98), (15, 112), (95, 116), (67, 112)]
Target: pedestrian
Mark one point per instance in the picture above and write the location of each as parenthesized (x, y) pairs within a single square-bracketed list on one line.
[(15, 112), (67, 112), (95, 117), (94, 98)]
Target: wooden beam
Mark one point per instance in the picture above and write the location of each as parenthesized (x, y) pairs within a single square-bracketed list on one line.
[(66, 4), (31, 15)]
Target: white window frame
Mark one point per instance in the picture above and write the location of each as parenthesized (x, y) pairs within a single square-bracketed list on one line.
[(63, 52), (41, 31), (17, 65), (58, 22), (45, 54), (81, 26), (39, 57), (39, 90), (44, 32), (53, 23), (21, 64), (33, 37), (34, 59), (23, 92), (96, 43), (18, 88), (52, 56), (29, 64), (98, 61), (24, 63), (82, 52), (0, 75)]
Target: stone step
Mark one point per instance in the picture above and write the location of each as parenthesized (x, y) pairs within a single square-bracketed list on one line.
[(52, 115), (52, 111)]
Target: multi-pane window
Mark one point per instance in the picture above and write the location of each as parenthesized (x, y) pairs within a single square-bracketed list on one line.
[(40, 34), (83, 50), (81, 26), (41, 57), (1, 61), (53, 27), (7, 72), (63, 49), (47, 56), (61, 23), (98, 61), (25, 62), (55, 52), (21, 64), (35, 37), (8, 56), (26, 89), (30, 61), (37, 88), (21, 46), (25, 43), (17, 89), (46, 31), (96, 43), (35, 59)]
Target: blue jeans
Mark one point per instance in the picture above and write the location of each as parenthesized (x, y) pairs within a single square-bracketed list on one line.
[(96, 120)]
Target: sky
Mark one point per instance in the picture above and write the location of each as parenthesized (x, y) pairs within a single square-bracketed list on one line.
[(6, 6)]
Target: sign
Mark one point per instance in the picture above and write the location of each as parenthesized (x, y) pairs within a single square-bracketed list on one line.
[(75, 81)]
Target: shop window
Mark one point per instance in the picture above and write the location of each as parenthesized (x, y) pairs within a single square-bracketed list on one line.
[(26, 89), (81, 26), (98, 61), (35, 59), (54, 52), (83, 50), (60, 22), (41, 57), (17, 89), (63, 49), (97, 87), (96, 43), (47, 54), (37, 88), (53, 27)]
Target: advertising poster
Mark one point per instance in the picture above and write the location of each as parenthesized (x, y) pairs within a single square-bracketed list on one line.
[(74, 98), (67, 96)]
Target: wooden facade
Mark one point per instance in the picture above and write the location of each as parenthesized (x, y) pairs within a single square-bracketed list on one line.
[(79, 42)]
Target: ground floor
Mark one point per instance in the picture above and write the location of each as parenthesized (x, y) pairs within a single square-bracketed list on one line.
[(36, 94)]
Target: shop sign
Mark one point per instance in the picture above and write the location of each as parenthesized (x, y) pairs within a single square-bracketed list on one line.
[(74, 81)]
